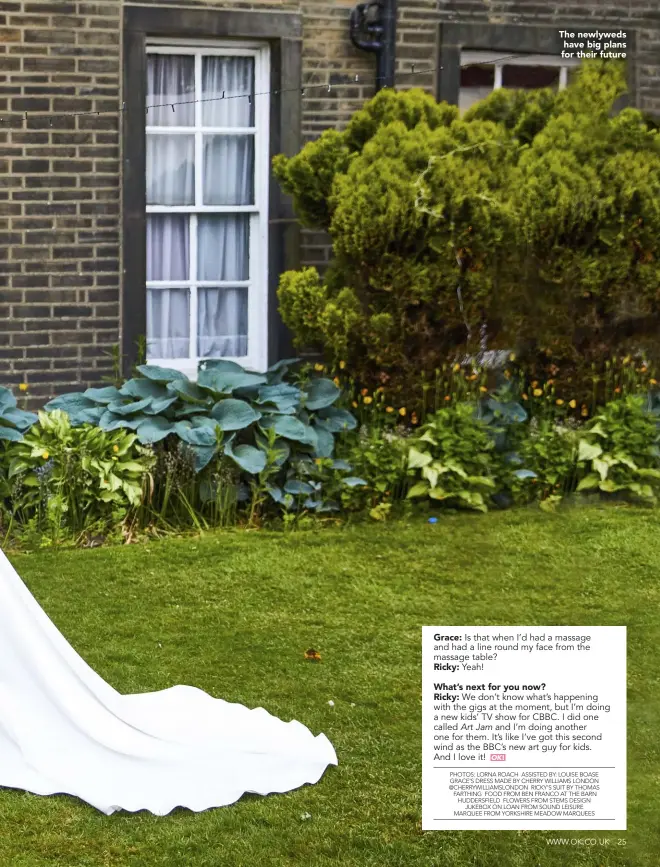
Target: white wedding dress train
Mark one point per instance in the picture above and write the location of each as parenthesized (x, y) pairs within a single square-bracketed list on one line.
[(63, 729)]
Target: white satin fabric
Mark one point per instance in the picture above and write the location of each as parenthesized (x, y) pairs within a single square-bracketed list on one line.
[(63, 729)]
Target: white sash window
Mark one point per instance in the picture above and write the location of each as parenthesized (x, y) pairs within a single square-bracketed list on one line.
[(207, 204)]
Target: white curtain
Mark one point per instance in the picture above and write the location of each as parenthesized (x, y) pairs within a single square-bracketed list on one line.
[(171, 80), (235, 77), (222, 239), (229, 170), (168, 318), (223, 254), (170, 169)]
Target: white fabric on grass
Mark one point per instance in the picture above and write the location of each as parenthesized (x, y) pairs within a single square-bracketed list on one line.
[(63, 729)]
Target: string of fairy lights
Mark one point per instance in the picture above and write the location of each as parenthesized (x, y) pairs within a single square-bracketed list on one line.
[(6, 122)]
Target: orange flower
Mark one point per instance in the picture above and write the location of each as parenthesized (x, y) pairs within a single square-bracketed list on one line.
[(364, 391), (312, 655), (389, 409), (447, 397), (617, 390), (534, 384), (559, 402), (413, 418)]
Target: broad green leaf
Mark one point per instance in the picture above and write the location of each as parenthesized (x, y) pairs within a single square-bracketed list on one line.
[(232, 414), (325, 442), (105, 395), (421, 489), (195, 436), (188, 391), (219, 364), (285, 397), (72, 404), (10, 434), (19, 418), (294, 486), (648, 473), (623, 458), (160, 404), (141, 388), (109, 421), (336, 420), (128, 408), (7, 399), (286, 426), (247, 457), (524, 474), (227, 381), (161, 374), (354, 482), (589, 482), (16, 466), (587, 451), (418, 459), (321, 393), (484, 481), (155, 429), (430, 475), (601, 467)]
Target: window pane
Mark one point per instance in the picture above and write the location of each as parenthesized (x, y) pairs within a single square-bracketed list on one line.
[(222, 319), (170, 79), (168, 324), (478, 76), (170, 170), (168, 249), (229, 170), (223, 244), (530, 77), (235, 77), (476, 83)]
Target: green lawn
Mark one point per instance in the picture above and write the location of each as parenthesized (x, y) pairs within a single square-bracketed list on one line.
[(233, 614)]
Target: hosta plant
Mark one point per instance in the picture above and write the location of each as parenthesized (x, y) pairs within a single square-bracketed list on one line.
[(619, 451), (262, 423), (452, 459), (13, 421), (88, 475)]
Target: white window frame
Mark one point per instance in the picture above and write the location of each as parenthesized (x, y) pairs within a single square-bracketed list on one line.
[(257, 284), (499, 60)]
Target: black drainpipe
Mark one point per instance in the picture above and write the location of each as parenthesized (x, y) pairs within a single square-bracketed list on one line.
[(373, 28)]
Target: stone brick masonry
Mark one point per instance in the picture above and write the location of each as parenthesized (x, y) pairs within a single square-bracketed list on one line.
[(60, 257)]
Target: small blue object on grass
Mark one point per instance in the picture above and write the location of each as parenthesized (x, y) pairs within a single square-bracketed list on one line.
[(433, 520)]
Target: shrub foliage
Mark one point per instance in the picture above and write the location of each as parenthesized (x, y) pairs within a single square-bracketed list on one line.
[(533, 216)]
